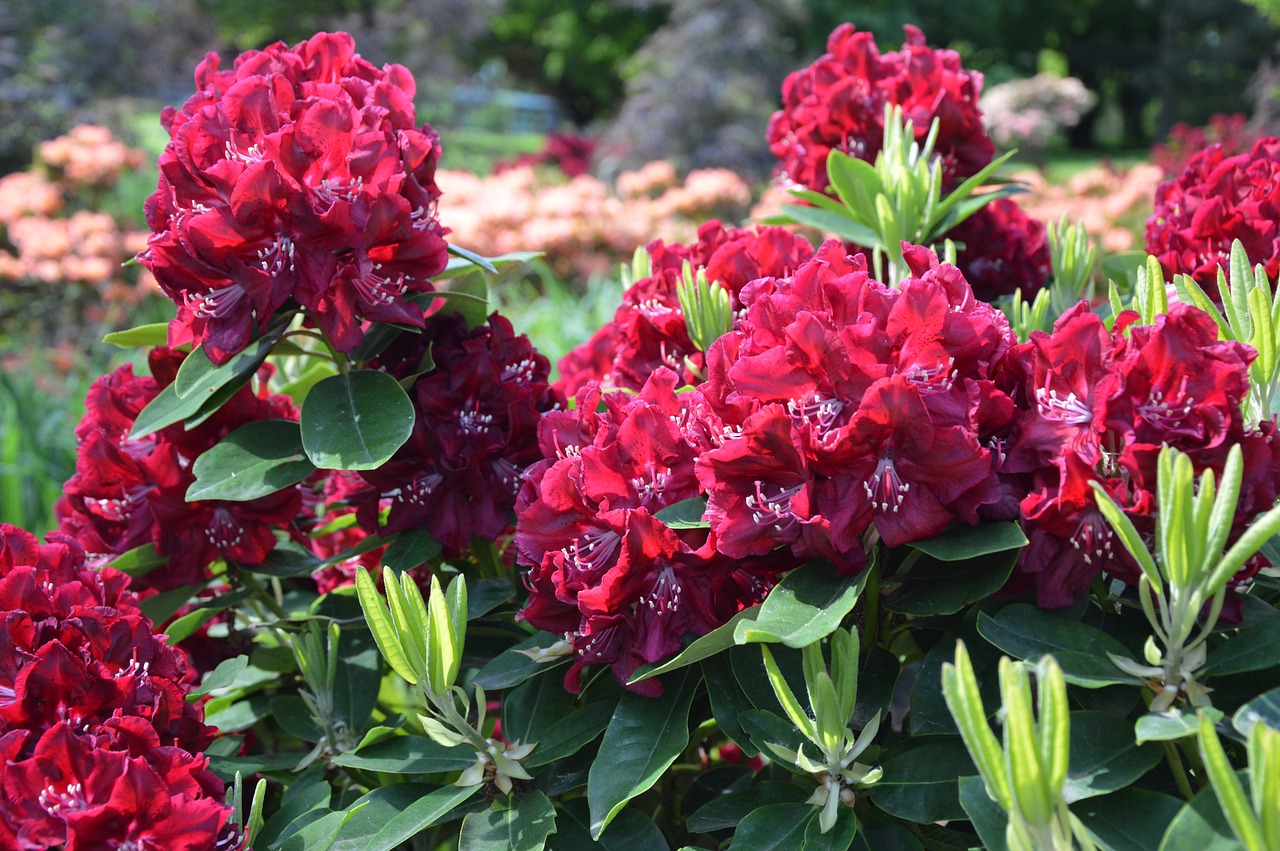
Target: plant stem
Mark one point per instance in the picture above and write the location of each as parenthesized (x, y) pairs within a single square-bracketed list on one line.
[(1179, 771)]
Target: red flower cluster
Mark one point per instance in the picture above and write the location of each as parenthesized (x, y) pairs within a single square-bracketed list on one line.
[(648, 331), (297, 175), (1005, 251), (854, 404), (98, 746), (1098, 406), (838, 102), (618, 582), (475, 431), (1216, 200), (127, 493), (1184, 142)]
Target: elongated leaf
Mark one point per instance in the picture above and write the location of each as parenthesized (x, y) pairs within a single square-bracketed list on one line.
[(1264, 708), (961, 543), (777, 827), (716, 641), (411, 548), (686, 514), (139, 561), (729, 810), (1200, 825), (1254, 649), (532, 707), (1025, 632), (408, 755), (936, 587), (842, 226), (384, 631), (1168, 726), (643, 738), (418, 816), (805, 606), (1130, 819), (140, 336), (1231, 794), (377, 808), (192, 621), (921, 783), (1104, 756), (516, 824), (222, 676), (255, 460), (355, 421), (986, 816), (512, 667), (571, 733), (632, 831), (473, 258)]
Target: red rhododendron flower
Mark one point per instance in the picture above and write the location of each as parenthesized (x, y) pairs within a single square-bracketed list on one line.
[(648, 331), (299, 174), (1215, 200), (127, 493), (837, 103), (475, 431), (1004, 251)]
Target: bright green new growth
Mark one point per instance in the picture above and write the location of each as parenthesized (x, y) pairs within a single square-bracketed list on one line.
[(708, 313), (899, 199), (1250, 314), (316, 652), (832, 695), (1255, 818), (1025, 773), (1074, 258), (1150, 296), (1188, 569)]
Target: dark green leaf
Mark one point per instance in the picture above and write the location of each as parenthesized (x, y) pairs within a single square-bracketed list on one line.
[(514, 824), (1025, 632), (222, 676), (1265, 708), (468, 296), (686, 514), (920, 783), (1166, 726), (307, 795), (291, 713), (1254, 649), (418, 816), (1200, 825), (766, 728), (1104, 756), (842, 226), (486, 595), (255, 460), (644, 737), (887, 836), (227, 766), (140, 336), (198, 378), (936, 587), (192, 621), (716, 641), (777, 827), (139, 561), (408, 755), (838, 838), (163, 411), (571, 733), (808, 604), (1130, 819), (632, 831), (472, 258), (729, 810), (532, 707), (379, 807), (728, 700), (289, 558), (929, 713), (410, 549), (986, 816), (355, 421), (962, 543), (512, 667), (241, 715), (876, 681)]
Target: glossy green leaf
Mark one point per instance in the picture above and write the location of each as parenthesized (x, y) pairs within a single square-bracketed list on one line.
[(291, 713), (1167, 726), (512, 667), (716, 641), (411, 548), (889, 836), (632, 831), (1265, 708), (139, 561), (921, 783), (468, 295), (729, 810), (962, 543), (255, 460), (532, 707), (140, 336), (376, 809), (513, 824), (1199, 825), (1026, 632), (1253, 649), (728, 700), (936, 587), (289, 558), (472, 257), (805, 606), (986, 816), (384, 630), (768, 728), (224, 675), (643, 738), (485, 595), (192, 621), (1130, 819), (686, 514), (841, 225), (355, 421), (418, 816), (1104, 756), (929, 714), (571, 733), (408, 755), (838, 838), (776, 827)]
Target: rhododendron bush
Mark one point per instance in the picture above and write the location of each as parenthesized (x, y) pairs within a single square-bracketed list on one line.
[(346, 563)]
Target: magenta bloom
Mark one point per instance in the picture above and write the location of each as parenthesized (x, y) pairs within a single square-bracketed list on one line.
[(300, 176)]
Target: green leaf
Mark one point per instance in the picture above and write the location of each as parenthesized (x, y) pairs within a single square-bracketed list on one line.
[(986, 816), (962, 543), (888, 836), (686, 514), (468, 296), (166, 409), (355, 421), (1130, 819), (929, 713), (1167, 726), (643, 738), (1104, 756), (255, 460), (224, 675), (571, 733), (632, 831), (408, 755), (516, 824), (1201, 825), (936, 587), (532, 707), (192, 621), (1253, 649), (841, 225), (716, 641), (1265, 708), (729, 810), (411, 548), (472, 258), (289, 558), (728, 700), (419, 815), (921, 783), (511, 667), (805, 606), (226, 767), (776, 827), (308, 794), (140, 336), (768, 728), (838, 838), (1026, 632), (139, 561), (291, 713), (485, 595), (377, 808)]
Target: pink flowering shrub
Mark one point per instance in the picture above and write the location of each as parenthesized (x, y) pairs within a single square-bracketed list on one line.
[(1112, 203)]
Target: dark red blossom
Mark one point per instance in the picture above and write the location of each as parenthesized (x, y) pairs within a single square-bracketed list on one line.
[(838, 102), (297, 176), (1004, 251), (1217, 199)]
